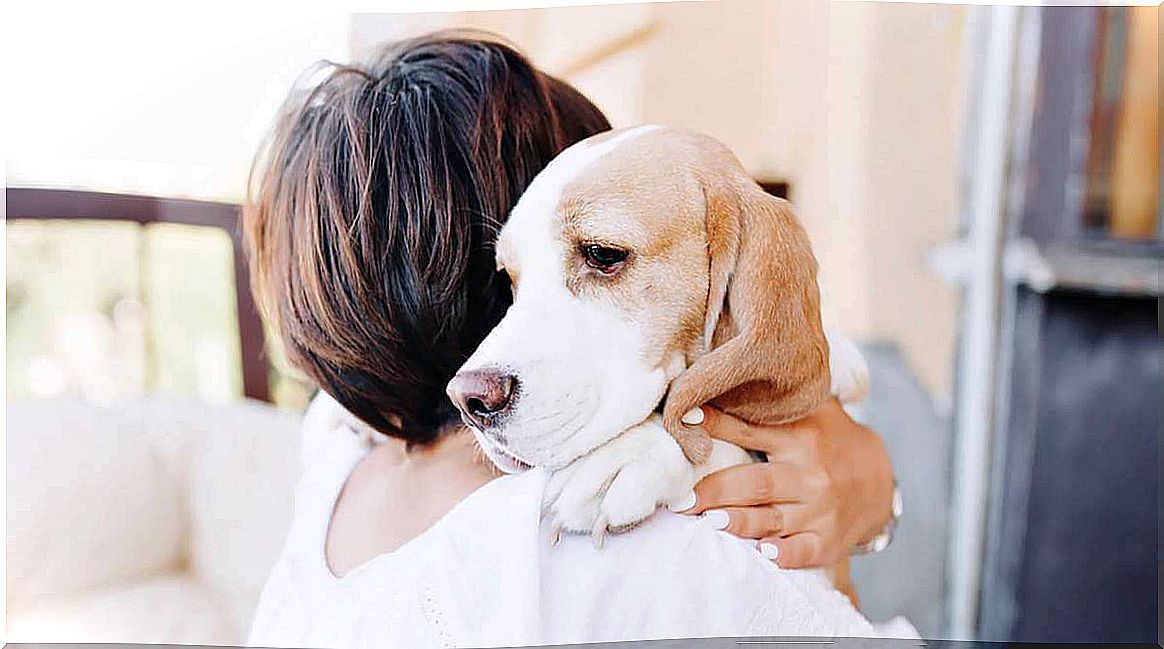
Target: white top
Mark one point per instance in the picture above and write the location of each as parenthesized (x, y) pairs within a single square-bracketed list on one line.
[(486, 574)]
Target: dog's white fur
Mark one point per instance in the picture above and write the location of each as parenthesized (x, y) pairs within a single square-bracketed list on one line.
[(589, 377)]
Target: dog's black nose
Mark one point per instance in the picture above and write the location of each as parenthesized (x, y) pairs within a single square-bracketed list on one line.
[(482, 395)]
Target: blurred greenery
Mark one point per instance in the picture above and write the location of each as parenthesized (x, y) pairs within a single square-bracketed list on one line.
[(101, 311)]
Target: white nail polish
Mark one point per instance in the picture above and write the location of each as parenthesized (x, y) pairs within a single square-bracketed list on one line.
[(694, 417), (716, 518), (687, 503), (769, 551)]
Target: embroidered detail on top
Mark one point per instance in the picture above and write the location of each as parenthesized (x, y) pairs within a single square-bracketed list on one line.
[(437, 619)]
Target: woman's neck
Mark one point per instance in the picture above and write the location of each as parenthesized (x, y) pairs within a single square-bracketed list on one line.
[(453, 444), (397, 491)]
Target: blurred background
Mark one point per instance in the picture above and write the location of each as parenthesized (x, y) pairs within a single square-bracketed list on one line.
[(981, 185)]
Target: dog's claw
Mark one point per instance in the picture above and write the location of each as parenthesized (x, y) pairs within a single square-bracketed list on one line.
[(599, 531), (547, 510), (556, 533)]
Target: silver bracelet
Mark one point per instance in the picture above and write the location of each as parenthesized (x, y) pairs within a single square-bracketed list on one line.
[(883, 539)]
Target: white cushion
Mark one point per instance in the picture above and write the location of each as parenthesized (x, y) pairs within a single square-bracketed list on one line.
[(171, 610), (103, 496), (89, 501)]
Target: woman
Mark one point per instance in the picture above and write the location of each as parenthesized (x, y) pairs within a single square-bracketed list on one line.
[(370, 234)]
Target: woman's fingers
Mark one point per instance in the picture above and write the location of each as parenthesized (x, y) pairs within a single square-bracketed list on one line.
[(721, 425), (746, 522), (760, 483), (776, 440), (803, 550)]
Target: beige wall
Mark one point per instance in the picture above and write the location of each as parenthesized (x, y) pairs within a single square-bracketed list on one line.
[(854, 103)]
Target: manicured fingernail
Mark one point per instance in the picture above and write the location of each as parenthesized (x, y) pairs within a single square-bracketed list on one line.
[(769, 551), (716, 518), (687, 503), (694, 417)]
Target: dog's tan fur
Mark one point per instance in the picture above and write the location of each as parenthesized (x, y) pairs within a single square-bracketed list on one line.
[(722, 273), (768, 358)]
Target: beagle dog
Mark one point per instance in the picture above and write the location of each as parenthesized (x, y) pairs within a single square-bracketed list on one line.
[(651, 275)]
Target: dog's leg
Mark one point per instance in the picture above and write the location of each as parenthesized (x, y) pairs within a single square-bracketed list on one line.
[(850, 372)]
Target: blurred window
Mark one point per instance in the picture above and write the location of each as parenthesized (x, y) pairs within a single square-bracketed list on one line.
[(108, 310)]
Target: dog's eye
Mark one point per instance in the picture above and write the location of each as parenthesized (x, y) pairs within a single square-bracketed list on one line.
[(604, 259)]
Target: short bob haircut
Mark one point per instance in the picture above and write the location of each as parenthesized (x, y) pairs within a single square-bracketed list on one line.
[(373, 209)]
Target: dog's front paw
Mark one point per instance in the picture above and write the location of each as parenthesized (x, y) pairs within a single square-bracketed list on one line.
[(619, 484)]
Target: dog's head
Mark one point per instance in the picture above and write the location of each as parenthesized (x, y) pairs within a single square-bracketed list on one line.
[(642, 259)]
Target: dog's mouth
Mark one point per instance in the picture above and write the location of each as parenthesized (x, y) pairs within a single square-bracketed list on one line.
[(500, 456)]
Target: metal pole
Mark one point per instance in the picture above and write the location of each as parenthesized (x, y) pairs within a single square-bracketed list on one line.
[(985, 189)]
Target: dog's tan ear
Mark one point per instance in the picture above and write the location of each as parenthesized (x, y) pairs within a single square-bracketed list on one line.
[(766, 359)]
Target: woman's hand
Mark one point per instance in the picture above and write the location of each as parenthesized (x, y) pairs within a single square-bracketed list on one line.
[(827, 486)]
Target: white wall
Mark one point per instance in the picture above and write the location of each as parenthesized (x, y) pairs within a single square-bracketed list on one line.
[(166, 103)]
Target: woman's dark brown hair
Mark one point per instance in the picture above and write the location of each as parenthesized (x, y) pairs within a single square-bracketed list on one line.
[(373, 211)]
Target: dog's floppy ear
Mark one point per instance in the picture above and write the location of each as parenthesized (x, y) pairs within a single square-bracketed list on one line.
[(766, 355)]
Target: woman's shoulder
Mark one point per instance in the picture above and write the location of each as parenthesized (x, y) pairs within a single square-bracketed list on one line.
[(675, 576)]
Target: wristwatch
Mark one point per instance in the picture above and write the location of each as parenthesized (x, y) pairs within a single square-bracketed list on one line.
[(882, 540)]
